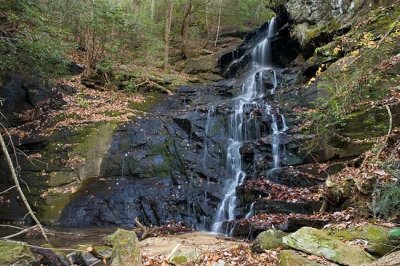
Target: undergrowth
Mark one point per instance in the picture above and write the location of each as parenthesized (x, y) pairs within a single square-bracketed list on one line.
[(386, 201), (361, 77)]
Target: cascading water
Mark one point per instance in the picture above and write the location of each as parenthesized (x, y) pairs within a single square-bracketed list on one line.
[(244, 126)]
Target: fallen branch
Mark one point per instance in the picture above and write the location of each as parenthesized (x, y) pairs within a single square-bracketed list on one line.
[(8, 189), (144, 230), (389, 31), (94, 252), (379, 43), (173, 251), (21, 193), (389, 131), (20, 232)]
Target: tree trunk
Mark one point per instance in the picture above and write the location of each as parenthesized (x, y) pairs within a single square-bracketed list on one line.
[(21, 193), (219, 22), (152, 6), (168, 23), (184, 28)]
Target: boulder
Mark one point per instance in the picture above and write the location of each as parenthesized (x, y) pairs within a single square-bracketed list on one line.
[(85, 258), (15, 253), (270, 239), (125, 248), (392, 259), (380, 241), (184, 257), (318, 243), (292, 258)]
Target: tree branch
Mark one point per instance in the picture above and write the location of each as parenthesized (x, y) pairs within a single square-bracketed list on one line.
[(21, 193)]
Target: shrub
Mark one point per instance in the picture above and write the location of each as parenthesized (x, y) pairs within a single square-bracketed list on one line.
[(386, 201)]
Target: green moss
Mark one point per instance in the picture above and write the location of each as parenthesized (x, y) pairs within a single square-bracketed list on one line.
[(84, 147), (317, 242), (367, 232), (15, 253), (324, 28), (271, 239), (125, 248), (150, 100), (180, 259), (378, 237), (292, 258)]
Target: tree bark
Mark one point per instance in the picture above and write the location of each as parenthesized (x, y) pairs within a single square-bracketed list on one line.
[(168, 23), (184, 28), (219, 22), (152, 6), (21, 193)]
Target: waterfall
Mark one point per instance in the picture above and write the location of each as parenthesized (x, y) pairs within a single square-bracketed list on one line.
[(244, 126), (206, 134), (251, 211)]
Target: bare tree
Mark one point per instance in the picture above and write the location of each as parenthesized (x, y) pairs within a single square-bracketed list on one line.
[(168, 23), (21, 193), (219, 21)]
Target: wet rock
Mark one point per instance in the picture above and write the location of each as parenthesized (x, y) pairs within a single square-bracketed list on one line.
[(84, 258), (125, 248), (15, 253), (247, 151), (318, 243), (19, 94), (271, 239), (293, 258)]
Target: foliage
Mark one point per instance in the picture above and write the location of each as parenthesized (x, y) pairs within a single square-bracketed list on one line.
[(28, 43), (364, 75), (386, 201)]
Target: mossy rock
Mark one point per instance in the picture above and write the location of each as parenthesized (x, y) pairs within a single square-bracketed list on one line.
[(181, 258), (125, 250), (293, 258), (379, 238), (317, 242), (151, 99), (270, 239), (15, 253), (392, 259), (202, 64)]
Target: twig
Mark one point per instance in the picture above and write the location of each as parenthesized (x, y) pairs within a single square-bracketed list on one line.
[(389, 31), (20, 232), (94, 252), (8, 189), (15, 178), (379, 43), (12, 226), (144, 228), (389, 131), (173, 251)]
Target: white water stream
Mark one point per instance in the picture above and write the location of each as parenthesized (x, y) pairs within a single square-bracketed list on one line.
[(244, 126)]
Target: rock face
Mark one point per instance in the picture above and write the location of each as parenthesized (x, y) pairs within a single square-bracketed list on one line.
[(318, 243), (316, 22), (270, 239), (15, 253), (126, 250)]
